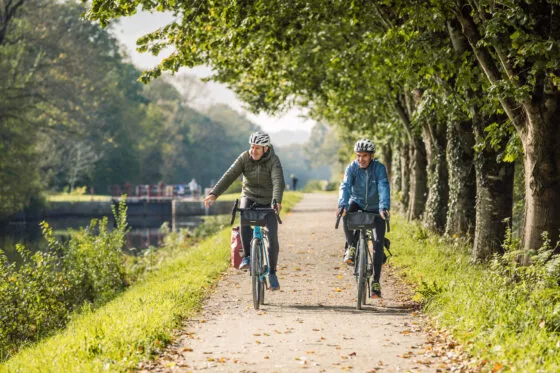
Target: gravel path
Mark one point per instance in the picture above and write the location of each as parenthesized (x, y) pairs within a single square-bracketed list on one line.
[(311, 323)]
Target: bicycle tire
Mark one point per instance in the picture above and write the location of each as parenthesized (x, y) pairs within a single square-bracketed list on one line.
[(255, 272), (362, 268), (262, 283)]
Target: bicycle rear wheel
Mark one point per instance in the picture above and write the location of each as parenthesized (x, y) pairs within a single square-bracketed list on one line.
[(256, 284), (362, 267)]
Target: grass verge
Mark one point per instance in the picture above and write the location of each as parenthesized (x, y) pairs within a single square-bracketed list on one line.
[(507, 323), (65, 197), (138, 323)]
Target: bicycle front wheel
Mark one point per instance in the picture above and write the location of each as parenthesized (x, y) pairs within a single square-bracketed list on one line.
[(362, 267), (256, 284)]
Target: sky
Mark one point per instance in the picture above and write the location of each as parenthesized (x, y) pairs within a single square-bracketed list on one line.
[(131, 28)]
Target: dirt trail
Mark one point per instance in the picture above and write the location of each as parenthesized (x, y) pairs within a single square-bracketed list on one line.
[(311, 323)]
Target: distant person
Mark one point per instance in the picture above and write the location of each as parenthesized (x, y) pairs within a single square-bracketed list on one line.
[(365, 187), (263, 182), (193, 186), (294, 181), (180, 190)]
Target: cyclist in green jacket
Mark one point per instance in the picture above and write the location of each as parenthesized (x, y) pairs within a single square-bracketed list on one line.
[(263, 182)]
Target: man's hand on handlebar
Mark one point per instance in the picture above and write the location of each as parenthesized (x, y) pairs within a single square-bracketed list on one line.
[(209, 200), (341, 211), (384, 214)]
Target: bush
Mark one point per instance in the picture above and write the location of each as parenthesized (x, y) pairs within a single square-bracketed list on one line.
[(332, 185), (314, 185), (40, 294)]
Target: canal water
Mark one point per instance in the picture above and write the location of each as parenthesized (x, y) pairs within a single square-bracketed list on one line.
[(144, 232)]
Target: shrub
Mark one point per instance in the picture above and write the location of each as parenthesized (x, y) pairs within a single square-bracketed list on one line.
[(332, 185), (40, 294), (314, 185)]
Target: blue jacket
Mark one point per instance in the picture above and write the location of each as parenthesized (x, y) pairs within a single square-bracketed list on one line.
[(367, 187)]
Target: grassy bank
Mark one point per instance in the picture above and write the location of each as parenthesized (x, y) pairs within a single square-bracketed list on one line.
[(505, 315), (139, 322), (65, 197)]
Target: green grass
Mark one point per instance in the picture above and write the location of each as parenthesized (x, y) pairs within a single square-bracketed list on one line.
[(65, 197), (512, 326), (138, 323)]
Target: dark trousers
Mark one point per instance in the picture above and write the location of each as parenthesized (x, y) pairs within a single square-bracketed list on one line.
[(351, 239), (247, 234)]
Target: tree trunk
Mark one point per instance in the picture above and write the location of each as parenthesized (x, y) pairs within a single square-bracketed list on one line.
[(388, 160), (462, 180), (537, 124), (438, 181), (542, 172), (418, 179), (404, 192), (494, 199), (494, 182), (417, 160)]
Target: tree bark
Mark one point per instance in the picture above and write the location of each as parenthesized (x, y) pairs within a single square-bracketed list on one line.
[(494, 182), (434, 136), (417, 157), (418, 180), (494, 200), (462, 180), (537, 123), (542, 172), (404, 192)]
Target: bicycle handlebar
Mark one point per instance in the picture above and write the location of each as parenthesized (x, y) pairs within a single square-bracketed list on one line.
[(273, 210), (339, 215), (233, 211)]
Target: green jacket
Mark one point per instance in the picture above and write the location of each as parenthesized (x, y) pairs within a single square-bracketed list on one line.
[(263, 180)]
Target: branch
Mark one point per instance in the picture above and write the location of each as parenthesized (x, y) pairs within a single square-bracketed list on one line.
[(486, 62), (5, 17), (405, 120)]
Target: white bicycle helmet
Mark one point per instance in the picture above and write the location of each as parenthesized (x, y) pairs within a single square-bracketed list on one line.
[(364, 145), (259, 138)]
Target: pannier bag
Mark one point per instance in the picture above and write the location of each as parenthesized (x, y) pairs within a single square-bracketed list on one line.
[(236, 247), (360, 220), (254, 217)]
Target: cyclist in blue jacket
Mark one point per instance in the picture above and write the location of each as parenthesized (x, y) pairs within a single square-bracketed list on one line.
[(366, 187)]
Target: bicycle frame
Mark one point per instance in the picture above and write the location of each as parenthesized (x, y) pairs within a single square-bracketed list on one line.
[(260, 261), (259, 233), (362, 225)]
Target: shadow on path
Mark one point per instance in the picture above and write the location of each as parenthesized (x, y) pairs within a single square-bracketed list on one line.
[(402, 310)]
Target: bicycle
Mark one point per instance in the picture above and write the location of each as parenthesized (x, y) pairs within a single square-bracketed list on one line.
[(363, 223), (260, 264)]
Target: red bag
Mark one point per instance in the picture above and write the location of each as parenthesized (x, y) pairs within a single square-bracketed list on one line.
[(236, 247)]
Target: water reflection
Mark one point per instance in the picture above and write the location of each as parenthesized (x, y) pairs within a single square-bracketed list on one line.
[(144, 232)]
